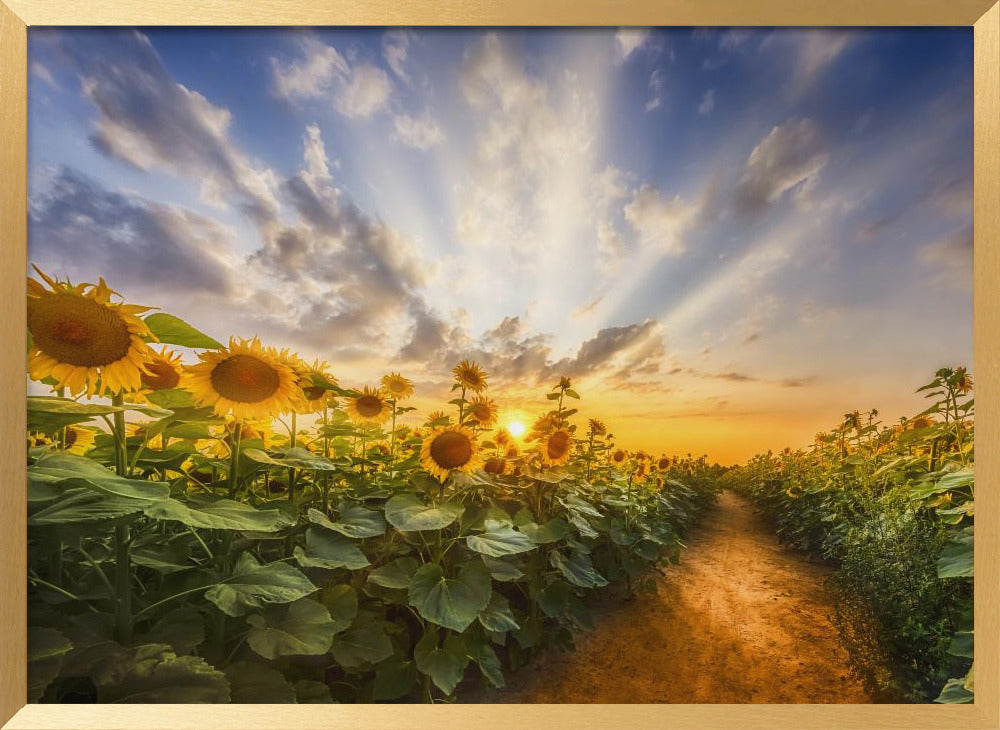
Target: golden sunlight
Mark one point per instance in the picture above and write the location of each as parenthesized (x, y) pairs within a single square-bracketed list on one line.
[(516, 429)]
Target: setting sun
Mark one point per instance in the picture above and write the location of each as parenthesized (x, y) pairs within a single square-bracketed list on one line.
[(516, 429)]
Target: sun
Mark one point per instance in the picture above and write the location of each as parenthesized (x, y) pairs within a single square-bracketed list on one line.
[(516, 429)]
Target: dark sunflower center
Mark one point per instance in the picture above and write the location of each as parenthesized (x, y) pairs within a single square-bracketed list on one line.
[(451, 450), (70, 437), (161, 376), (313, 393), (368, 406), (481, 412), (245, 379), (664, 463), (77, 331), (494, 466), (619, 456), (558, 445)]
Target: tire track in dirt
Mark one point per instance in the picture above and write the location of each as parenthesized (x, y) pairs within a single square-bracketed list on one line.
[(739, 620)]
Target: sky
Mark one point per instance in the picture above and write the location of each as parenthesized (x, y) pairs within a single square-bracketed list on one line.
[(727, 238)]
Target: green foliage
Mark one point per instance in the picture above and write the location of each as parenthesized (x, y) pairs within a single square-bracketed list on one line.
[(168, 564), (891, 506)]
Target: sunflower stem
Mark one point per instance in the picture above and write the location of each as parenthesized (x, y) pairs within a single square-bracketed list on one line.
[(291, 471), (326, 453), (123, 574), (121, 447), (234, 458), (392, 440)]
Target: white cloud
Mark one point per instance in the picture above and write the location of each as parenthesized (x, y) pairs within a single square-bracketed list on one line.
[(395, 49), (356, 91), (147, 119), (314, 76), (707, 103), (365, 92), (419, 132), (790, 155), (656, 87), (524, 141), (659, 222), (314, 154), (629, 40)]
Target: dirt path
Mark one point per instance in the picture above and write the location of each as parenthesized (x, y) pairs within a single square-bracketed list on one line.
[(740, 620)]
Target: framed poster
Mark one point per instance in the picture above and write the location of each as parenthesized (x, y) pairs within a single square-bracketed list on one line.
[(385, 364)]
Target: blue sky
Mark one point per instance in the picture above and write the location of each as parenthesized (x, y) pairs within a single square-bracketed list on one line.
[(727, 236)]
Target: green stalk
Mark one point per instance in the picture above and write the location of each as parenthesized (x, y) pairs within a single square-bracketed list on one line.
[(291, 471), (234, 458), (326, 453), (123, 552), (123, 574), (121, 448)]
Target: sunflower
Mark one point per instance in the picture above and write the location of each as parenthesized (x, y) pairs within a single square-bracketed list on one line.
[(962, 381), (597, 428), (921, 422), (449, 449), (663, 464), (469, 375), (163, 371), (246, 379), (495, 465), (315, 398), (483, 411), (502, 437), (38, 439), (437, 416), (83, 341), (556, 448), (79, 440), (541, 426), (369, 408), (619, 456), (397, 387), (512, 452), (640, 469)]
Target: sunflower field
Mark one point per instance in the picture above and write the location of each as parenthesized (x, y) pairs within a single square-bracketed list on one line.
[(892, 507), (246, 529)]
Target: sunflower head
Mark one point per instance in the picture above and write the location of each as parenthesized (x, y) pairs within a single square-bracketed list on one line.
[(495, 465), (315, 397), (962, 381), (483, 411), (921, 422), (438, 418), (502, 437), (619, 456), (542, 425), (82, 340), (163, 371), (79, 440), (447, 450), (663, 464), (470, 376), (597, 428), (511, 452), (556, 448), (397, 387), (246, 379), (640, 469), (370, 408)]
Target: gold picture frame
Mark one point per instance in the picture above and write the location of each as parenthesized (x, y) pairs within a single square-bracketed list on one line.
[(17, 15)]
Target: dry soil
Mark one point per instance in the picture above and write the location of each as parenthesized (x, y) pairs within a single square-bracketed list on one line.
[(739, 620)]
